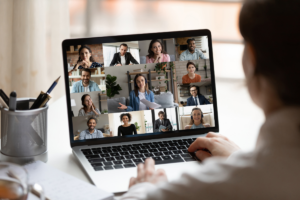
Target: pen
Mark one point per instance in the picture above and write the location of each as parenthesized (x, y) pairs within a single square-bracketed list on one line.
[(13, 101)]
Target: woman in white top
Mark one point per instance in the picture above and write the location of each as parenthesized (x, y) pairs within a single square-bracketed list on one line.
[(88, 106), (197, 120), (271, 170)]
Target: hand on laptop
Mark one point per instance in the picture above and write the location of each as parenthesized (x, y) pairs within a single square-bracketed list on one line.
[(216, 144), (146, 173)]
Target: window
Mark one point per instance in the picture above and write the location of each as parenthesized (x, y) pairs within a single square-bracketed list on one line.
[(108, 54)]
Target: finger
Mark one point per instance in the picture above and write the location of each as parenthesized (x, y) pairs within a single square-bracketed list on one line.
[(160, 175), (149, 169), (212, 134), (200, 143), (132, 182), (202, 155), (140, 173)]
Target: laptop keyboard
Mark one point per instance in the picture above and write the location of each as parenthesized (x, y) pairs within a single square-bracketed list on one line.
[(127, 156)]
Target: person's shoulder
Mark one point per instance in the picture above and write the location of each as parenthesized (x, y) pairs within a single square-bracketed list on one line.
[(131, 93), (185, 76), (92, 82), (83, 132), (197, 75), (96, 64), (77, 83)]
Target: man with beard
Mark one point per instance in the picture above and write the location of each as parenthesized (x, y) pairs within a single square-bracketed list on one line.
[(85, 84), (191, 53), (91, 132)]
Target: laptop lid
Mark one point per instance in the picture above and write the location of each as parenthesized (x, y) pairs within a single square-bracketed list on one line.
[(139, 87)]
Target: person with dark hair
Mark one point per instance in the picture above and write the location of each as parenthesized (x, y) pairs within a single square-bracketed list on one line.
[(196, 98), (197, 120), (126, 128), (123, 57), (88, 106), (162, 124), (85, 84), (271, 169), (141, 91), (192, 53), (191, 77), (91, 132), (86, 59), (156, 52)]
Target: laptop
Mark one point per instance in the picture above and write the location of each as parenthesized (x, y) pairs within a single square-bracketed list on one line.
[(112, 81)]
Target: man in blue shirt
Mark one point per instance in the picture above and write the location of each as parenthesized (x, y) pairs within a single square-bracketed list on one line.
[(191, 53), (91, 132), (85, 84), (196, 99)]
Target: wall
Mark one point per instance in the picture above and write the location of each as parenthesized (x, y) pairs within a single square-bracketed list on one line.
[(137, 116), (77, 98), (80, 123)]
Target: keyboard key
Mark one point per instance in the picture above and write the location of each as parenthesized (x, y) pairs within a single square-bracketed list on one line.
[(162, 149), (125, 149), (87, 153), (97, 164), (154, 146), (143, 151), (166, 157), (177, 152), (133, 152), (189, 159), (107, 163), (168, 153), (104, 155), (168, 161), (178, 140), (108, 167), (115, 150), (136, 145), (148, 155), (182, 147), (148, 143), (129, 157), (186, 155), (163, 145), (184, 151), (119, 158), (176, 157), (139, 156), (104, 151), (127, 161), (129, 165), (127, 145), (92, 156), (153, 150), (117, 162), (97, 160), (156, 158), (172, 148), (173, 144), (118, 166), (137, 161), (134, 148), (124, 153), (98, 168), (158, 154), (109, 151), (110, 159), (114, 154)]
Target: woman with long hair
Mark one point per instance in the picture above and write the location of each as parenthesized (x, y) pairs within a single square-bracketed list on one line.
[(88, 106), (197, 120), (271, 169), (86, 59), (191, 76), (156, 52), (126, 128), (141, 91)]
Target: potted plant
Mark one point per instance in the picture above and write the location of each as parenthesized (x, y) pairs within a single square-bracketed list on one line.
[(205, 68), (105, 111), (137, 126), (112, 88), (160, 67), (103, 91), (197, 66)]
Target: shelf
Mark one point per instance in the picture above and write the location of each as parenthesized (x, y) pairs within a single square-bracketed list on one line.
[(72, 52), (135, 73), (155, 80), (98, 75)]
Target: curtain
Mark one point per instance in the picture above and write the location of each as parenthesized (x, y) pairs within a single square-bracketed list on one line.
[(30, 54)]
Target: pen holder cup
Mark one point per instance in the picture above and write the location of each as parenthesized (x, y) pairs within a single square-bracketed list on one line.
[(24, 131)]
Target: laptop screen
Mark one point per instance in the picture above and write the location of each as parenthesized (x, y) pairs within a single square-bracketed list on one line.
[(140, 88)]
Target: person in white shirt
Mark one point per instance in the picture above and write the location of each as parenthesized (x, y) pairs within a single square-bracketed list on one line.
[(123, 57), (271, 170)]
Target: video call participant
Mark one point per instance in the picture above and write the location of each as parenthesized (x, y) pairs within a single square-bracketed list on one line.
[(126, 128), (85, 59), (157, 53), (141, 91), (88, 106), (191, 77), (85, 84), (191, 53), (196, 99), (123, 57), (162, 122), (196, 120), (91, 132)]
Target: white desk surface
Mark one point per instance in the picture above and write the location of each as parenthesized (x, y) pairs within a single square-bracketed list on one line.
[(239, 118)]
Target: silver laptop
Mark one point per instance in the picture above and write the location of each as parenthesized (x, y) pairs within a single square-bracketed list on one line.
[(129, 97)]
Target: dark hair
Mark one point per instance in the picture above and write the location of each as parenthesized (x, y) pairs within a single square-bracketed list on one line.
[(82, 102), (150, 52), (136, 88), (192, 120), (86, 70), (189, 40), (270, 26), (197, 88), (89, 49), (161, 112), (123, 44), (88, 121), (125, 114), (190, 63)]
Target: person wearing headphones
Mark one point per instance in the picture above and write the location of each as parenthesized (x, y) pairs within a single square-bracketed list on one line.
[(196, 99), (126, 128), (141, 91), (123, 57), (162, 124), (191, 53), (197, 120)]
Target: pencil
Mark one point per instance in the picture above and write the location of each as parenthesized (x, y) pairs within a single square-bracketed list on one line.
[(53, 85)]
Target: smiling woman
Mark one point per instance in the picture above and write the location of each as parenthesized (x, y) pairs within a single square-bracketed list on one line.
[(86, 59), (157, 53)]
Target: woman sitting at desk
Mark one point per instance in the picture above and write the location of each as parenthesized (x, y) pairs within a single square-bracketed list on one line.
[(140, 92), (126, 128), (157, 53), (191, 77), (88, 106), (85, 59), (123, 57), (196, 120)]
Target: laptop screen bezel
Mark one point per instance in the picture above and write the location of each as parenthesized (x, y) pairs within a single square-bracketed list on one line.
[(137, 37)]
